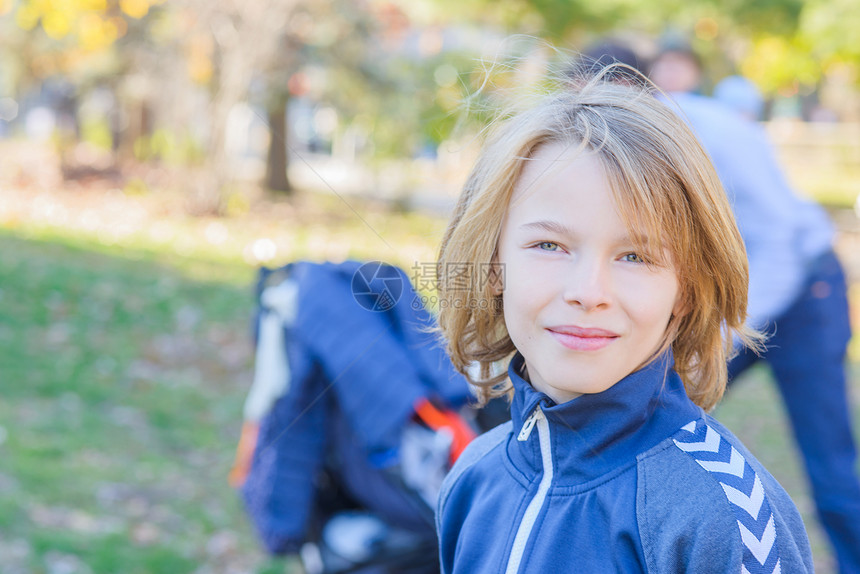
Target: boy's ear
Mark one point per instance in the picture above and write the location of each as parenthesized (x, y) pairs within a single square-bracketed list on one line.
[(682, 306)]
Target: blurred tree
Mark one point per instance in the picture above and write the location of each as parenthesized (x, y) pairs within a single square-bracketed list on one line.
[(830, 27), (781, 63), (325, 35), (82, 25), (404, 74), (83, 43), (781, 42), (267, 43), (234, 40)]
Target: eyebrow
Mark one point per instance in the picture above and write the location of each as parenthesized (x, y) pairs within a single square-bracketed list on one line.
[(561, 229), (550, 226)]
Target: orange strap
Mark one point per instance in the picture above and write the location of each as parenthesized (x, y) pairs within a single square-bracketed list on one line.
[(438, 419), (244, 454)]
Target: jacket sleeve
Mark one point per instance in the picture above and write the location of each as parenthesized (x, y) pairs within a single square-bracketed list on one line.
[(684, 526), (449, 518), (718, 517)]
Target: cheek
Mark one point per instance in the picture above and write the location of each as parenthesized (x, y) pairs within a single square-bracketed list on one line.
[(528, 287), (652, 304), (521, 307), (515, 305)]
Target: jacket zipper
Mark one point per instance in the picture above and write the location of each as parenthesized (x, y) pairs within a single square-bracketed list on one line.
[(536, 419)]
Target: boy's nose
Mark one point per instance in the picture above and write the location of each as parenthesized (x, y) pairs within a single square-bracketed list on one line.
[(587, 284)]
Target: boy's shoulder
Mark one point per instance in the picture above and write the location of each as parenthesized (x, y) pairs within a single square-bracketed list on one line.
[(478, 449), (472, 454), (702, 495)]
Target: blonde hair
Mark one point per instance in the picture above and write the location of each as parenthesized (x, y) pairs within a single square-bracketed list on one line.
[(666, 190)]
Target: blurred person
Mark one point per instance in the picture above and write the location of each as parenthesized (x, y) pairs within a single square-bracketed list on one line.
[(676, 69), (741, 95), (797, 290), (600, 56)]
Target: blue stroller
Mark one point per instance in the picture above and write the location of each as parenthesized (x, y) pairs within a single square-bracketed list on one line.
[(352, 421)]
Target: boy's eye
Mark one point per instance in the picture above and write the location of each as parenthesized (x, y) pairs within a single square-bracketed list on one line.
[(633, 258), (548, 246)]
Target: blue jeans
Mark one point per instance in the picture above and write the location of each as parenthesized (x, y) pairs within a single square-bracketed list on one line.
[(807, 356)]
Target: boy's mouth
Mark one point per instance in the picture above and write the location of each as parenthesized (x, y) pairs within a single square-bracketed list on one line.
[(582, 338)]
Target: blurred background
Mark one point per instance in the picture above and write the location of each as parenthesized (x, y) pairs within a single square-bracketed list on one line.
[(154, 153)]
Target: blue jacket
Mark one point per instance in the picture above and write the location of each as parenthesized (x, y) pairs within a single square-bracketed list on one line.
[(360, 355), (634, 479)]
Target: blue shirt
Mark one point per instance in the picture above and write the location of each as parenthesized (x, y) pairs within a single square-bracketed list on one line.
[(784, 234)]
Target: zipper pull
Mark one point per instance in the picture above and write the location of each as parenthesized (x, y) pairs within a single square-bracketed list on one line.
[(530, 423)]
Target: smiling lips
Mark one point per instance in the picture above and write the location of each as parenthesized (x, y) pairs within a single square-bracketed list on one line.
[(582, 339)]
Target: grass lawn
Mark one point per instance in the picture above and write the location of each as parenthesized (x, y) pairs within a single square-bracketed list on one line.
[(124, 363), (122, 383), (125, 358)]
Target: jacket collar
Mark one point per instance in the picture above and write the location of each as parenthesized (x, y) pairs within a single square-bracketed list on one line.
[(596, 433)]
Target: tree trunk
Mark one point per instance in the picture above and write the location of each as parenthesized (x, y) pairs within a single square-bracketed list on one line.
[(210, 194), (277, 161)]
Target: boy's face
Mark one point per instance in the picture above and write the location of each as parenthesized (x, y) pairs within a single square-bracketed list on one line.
[(580, 302)]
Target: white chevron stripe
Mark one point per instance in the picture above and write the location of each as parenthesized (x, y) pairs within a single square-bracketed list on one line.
[(759, 548), (776, 569), (710, 444), (751, 503), (735, 466)]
